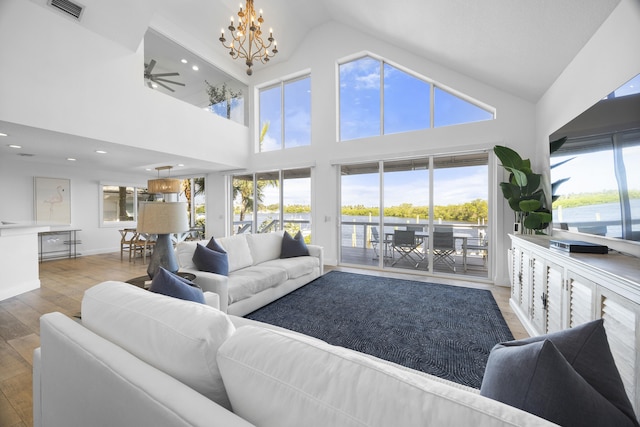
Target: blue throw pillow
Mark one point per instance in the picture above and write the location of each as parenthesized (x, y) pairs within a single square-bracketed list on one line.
[(568, 377), (210, 260), (293, 246), (167, 283)]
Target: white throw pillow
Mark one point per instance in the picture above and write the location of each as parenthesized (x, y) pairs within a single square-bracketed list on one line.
[(265, 246), (178, 337), (276, 379), (238, 251)]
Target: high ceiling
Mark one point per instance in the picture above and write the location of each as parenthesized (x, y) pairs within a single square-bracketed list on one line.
[(518, 46)]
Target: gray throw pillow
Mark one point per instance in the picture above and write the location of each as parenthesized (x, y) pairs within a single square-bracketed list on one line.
[(211, 260), (568, 377), (293, 246), (167, 283)]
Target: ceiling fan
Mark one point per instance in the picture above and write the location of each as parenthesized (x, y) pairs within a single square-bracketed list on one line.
[(158, 78)]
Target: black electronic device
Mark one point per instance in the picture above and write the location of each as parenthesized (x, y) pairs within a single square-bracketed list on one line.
[(579, 246)]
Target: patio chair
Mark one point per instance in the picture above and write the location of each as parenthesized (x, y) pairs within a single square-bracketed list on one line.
[(405, 243), (375, 243), (444, 247)]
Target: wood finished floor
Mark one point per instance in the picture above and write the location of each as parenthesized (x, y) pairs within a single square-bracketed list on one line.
[(63, 283)]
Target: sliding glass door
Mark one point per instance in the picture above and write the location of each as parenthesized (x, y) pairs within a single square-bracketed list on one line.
[(360, 221), (435, 214)]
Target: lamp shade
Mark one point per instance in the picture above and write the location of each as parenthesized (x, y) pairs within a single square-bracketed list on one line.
[(162, 218), (163, 185)]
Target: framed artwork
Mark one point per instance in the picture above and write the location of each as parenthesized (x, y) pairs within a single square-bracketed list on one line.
[(52, 200)]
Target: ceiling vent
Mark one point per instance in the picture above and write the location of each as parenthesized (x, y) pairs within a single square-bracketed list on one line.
[(68, 8)]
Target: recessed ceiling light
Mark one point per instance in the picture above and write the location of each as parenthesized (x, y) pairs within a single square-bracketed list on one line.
[(3, 134), (153, 85), (180, 165), (184, 61), (101, 152), (195, 68), (71, 159), (14, 146)]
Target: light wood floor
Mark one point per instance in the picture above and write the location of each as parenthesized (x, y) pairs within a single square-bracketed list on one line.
[(63, 283)]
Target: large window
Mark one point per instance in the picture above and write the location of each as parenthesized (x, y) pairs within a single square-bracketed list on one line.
[(274, 200), (417, 200), (285, 115), (377, 98)]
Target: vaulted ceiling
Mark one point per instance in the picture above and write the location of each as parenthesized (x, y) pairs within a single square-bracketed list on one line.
[(518, 46)]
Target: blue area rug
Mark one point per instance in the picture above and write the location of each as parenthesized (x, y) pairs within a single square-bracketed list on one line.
[(446, 331)]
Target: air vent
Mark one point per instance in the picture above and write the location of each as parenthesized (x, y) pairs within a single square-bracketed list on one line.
[(69, 8)]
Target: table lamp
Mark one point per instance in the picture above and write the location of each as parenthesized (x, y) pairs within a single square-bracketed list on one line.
[(162, 219)]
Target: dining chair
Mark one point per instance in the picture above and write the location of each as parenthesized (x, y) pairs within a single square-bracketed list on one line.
[(143, 244), (127, 235), (444, 247)]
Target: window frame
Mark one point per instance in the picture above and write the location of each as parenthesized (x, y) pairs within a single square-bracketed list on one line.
[(281, 83), (433, 85), (112, 224)]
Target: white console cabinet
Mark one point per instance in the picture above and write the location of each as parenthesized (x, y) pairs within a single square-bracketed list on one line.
[(553, 290)]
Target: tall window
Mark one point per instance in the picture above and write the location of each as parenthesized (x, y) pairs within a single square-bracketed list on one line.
[(377, 98), (274, 200), (285, 115)]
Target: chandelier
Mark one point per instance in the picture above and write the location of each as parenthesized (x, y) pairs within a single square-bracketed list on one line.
[(163, 185), (246, 39)]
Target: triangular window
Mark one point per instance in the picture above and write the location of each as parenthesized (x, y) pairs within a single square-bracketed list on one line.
[(377, 98)]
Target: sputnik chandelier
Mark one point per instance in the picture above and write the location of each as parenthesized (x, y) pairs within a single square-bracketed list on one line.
[(246, 39)]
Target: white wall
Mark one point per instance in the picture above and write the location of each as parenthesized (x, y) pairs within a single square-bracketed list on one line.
[(59, 76), (607, 61), (17, 197), (319, 53)]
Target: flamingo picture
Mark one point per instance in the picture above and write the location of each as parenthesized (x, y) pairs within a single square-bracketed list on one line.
[(54, 199)]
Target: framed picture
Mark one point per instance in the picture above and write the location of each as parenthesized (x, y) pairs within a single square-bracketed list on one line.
[(52, 200)]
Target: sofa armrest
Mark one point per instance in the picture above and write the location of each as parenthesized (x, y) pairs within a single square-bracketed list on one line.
[(212, 299), (212, 282), (318, 252)]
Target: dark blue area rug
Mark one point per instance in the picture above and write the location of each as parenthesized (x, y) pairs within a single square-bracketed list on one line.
[(446, 331)]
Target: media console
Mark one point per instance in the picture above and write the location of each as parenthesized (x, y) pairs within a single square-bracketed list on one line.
[(554, 289)]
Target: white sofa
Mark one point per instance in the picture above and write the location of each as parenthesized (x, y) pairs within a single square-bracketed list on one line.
[(257, 275), (143, 359)]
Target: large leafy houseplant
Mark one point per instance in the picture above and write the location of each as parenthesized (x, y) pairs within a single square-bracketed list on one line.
[(523, 192)]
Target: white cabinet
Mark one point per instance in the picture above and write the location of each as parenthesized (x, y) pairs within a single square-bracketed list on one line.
[(553, 290)]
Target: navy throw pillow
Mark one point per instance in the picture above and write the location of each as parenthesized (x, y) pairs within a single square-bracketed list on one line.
[(568, 377), (167, 283), (293, 246), (210, 260)]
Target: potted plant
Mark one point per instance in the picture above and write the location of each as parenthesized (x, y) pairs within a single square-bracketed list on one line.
[(523, 191)]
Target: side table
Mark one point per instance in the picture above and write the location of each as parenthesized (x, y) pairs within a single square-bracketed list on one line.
[(145, 282)]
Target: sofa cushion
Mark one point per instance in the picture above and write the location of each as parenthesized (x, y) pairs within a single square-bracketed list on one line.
[(178, 337), (299, 381), (295, 267), (251, 280), (568, 377), (166, 283), (211, 260), (238, 251), (293, 246), (265, 246)]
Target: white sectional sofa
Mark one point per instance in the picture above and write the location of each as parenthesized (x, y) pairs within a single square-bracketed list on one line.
[(144, 359), (257, 275)]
